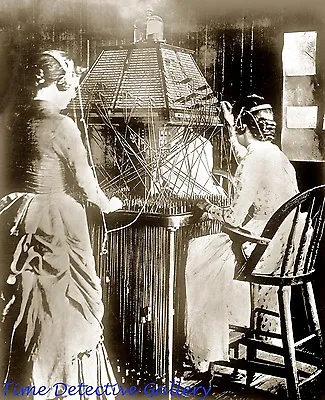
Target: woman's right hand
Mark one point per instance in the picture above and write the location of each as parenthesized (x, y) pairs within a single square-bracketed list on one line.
[(113, 204)]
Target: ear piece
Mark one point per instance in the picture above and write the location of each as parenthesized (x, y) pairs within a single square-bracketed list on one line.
[(40, 77)]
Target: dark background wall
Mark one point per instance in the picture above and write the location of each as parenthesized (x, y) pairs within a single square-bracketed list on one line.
[(237, 44)]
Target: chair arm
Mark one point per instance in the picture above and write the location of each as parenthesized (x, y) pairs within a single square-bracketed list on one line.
[(241, 235)]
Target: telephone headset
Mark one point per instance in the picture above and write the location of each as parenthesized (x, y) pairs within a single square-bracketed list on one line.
[(240, 127), (65, 81)]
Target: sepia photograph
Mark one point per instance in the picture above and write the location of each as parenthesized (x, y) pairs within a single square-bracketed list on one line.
[(162, 199)]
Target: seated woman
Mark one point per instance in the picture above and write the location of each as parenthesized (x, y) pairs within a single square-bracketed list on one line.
[(264, 180)]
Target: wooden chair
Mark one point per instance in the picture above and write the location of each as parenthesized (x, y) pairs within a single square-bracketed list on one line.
[(296, 269)]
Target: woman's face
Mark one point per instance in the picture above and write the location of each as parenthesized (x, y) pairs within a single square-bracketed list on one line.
[(267, 114), (70, 82), (64, 97)]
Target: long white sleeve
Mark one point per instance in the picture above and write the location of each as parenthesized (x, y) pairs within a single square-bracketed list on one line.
[(69, 142)]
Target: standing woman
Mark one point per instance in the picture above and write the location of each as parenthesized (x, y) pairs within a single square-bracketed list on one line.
[(52, 307)]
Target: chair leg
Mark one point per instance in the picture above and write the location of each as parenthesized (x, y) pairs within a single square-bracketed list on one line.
[(236, 357), (306, 307), (288, 343), (251, 351), (314, 314), (251, 356)]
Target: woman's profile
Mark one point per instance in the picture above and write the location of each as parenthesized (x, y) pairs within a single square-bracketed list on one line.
[(52, 306)]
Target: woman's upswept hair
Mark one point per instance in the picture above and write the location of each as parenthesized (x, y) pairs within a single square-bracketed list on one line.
[(247, 112), (54, 66)]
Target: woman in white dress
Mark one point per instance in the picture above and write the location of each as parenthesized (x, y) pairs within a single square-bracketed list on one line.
[(53, 318), (263, 181)]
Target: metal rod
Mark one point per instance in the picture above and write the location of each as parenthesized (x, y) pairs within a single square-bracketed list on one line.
[(171, 241)]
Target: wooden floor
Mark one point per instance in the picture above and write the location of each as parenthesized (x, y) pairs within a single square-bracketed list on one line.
[(234, 392), (223, 387), (263, 387)]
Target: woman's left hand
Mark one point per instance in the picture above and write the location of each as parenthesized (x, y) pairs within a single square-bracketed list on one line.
[(202, 204), (227, 113)]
